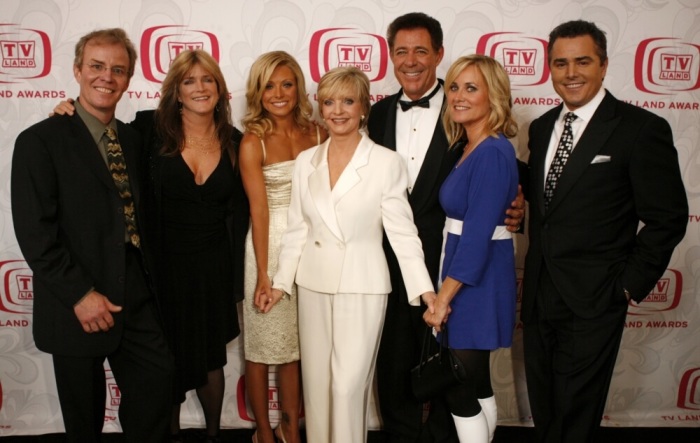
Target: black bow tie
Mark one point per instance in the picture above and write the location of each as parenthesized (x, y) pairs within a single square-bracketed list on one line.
[(423, 102)]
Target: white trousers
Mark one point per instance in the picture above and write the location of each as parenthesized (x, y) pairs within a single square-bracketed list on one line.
[(339, 339)]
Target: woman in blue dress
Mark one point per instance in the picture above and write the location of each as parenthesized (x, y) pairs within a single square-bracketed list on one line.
[(477, 293)]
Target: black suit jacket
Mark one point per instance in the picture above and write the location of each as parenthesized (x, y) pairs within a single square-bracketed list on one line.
[(427, 212), (69, 222), (624, 169)]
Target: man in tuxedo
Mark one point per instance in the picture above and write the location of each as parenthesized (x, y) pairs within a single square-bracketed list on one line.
[(410, 123), (594, 176), (75, 206)]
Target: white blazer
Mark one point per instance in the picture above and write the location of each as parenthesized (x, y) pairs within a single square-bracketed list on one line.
[(333, 241)]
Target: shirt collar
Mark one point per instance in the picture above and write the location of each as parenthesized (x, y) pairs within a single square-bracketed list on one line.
[(585, 112), (430, 89), (94, 125)]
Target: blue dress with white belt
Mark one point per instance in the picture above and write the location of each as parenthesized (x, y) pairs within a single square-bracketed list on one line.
[(478, 249)]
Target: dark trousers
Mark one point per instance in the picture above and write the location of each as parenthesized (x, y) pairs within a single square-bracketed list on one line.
[(399, 351), (569, 363), (142, 368)]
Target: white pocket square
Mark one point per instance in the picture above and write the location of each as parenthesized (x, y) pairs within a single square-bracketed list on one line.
[(601, 159)]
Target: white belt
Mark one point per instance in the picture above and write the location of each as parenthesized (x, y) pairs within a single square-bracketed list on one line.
[(454, 226)]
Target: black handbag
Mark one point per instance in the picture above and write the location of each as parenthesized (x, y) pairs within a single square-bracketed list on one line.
[(437, 371)]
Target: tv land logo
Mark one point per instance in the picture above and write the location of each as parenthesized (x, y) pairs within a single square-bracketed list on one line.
[(113, 398), (523, 57), (161, 44), (334, 47), (665, 296), (16, 289), (689, 390), (26, 53), (666, 65), (273, 398)]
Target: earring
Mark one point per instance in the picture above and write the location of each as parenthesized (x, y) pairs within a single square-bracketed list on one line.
[(362, 118)]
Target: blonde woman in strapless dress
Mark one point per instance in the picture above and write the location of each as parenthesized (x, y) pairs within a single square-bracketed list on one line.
[(278, 127)]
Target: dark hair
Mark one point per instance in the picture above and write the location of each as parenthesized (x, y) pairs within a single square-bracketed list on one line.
[(415, 20), (578, 28), (112, 36)]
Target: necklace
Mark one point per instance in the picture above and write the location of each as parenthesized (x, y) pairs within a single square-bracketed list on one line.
[(202, 145)]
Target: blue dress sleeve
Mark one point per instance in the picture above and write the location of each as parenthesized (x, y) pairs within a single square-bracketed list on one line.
[(490, 185)]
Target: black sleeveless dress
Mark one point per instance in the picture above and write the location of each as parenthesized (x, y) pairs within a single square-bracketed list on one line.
[(196, 287)]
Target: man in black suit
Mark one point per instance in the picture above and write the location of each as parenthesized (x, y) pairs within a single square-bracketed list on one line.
[(615, 166), (77, 224), (410, 123)]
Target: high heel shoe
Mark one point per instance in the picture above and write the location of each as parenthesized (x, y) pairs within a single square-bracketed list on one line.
[(255, 437), (279, 434)]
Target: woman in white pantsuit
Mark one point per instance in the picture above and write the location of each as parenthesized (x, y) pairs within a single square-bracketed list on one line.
[(345, 193)]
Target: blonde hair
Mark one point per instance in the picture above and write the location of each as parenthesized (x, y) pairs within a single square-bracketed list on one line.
[(345, 81), (256, 119), (496, 78)]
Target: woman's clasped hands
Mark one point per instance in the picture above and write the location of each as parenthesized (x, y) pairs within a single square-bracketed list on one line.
[(266, 298)]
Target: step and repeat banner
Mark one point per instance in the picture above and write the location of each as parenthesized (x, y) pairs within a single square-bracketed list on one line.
[(654, 50)]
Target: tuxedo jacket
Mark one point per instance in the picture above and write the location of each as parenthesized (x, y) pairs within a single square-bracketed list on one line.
[(424, 199), (69, 222), (333, 241), (623, 170)]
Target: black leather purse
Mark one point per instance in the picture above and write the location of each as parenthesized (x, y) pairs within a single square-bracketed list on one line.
[(438, 370)]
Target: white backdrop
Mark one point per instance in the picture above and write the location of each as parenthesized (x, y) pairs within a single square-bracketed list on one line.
[(654, 49)]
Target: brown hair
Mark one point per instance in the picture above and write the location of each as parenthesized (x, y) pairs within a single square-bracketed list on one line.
[(112, 36), (168, 119)]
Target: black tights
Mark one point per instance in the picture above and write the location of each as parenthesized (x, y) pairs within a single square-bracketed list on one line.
[(463, 400), (211, 397)]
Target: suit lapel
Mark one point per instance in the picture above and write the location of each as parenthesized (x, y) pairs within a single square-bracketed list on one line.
[(598, 130), (539, 144), (131, 155), (90, 153), (390, 126), (430, 169), (320, 189), (350, 176)]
